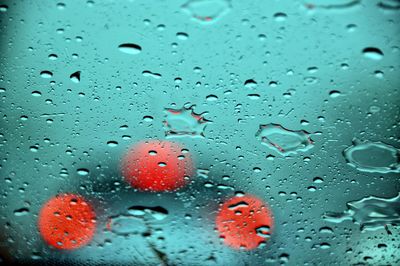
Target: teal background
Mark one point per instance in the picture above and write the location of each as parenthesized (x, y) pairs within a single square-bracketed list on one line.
[(69, 125)]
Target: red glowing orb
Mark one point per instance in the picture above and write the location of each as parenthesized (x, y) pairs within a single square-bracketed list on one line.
[(157, 166), (67, 221), (244, 222)]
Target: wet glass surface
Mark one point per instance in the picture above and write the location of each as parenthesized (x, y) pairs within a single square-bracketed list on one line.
[(200, 132)]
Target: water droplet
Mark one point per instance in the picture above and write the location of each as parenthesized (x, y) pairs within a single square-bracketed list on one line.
[(130, 48), (60, 6), (389, 5), (326, 230), (374, 109), (182, 36), (206, 11), (283, 140), (373, 53), (211, 98), (312, 189), (125, 225), (250, 84), (75, 77), (334, 94), (373, 157), (157, 213), (82, 171), (148, 118), (112, 143), (3, 8), (371, 213), (53, 56), (263, 231), (253, 96), (21, 212), (318, 180), (36, 93), (184, 122), (34, 148), (280, 17), (46, 74), (147, 73), (324, 246)]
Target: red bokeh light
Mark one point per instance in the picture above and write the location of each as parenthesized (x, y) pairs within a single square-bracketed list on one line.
[(157, 166), (244, 222), (67, 221)]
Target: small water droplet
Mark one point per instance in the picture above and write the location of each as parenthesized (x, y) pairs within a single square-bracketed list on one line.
[(112, 143), (75, 77), (148, 73), (82, 171), (53, 56), (21, 212), (3, 8), (182, 36), (212, 98), (334, 94), (148, 118), (280, 17), (250, 84), (36, 93), (130, 48)]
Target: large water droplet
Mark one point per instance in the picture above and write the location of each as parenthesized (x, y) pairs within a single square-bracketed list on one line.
[(370, 213), (373, 157), (283, 140), (184, 122)]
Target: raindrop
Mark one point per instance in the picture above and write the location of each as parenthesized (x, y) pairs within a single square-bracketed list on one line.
[(3, 8), (206, 11), (373, 53), (75, 77), (148, 118), (279, 17), (21, 212), (370, 213), (250, 84), (253, 96), (283, 140), (53, 56), (112, 143), (263, 231), (182, 36), (373, 157), (211, 98), (334, 94), (184, 121), (130, 48), (147, 73), (82, 171), (46, 74), (36, 93)]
